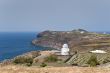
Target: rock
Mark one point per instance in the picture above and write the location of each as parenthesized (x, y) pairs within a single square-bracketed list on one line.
[(47, 53), (43, 55), (6, 62), (32, 54), (39, 59)]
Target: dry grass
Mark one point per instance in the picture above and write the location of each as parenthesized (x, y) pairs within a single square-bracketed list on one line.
[(21, 69)]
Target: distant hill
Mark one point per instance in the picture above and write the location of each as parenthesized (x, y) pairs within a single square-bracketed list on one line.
[(78, 40)]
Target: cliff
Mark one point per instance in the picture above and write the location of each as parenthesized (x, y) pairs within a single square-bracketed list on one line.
[(78, 40)]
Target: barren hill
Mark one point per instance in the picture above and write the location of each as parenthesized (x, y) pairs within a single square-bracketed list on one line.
[(79, 40)]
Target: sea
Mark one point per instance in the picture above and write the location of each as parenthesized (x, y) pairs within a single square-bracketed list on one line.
[(16, 43)]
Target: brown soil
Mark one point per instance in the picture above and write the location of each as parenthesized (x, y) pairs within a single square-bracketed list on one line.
[(33, 69)]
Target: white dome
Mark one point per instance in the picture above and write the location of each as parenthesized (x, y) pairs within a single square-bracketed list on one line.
[(65, 46)]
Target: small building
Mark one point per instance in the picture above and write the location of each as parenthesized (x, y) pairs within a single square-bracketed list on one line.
[(65, 50), (98, 51)]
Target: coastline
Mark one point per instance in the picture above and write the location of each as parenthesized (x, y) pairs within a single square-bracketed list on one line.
[(78, 44)]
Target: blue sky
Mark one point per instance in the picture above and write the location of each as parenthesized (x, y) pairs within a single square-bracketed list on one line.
[(39, 15)]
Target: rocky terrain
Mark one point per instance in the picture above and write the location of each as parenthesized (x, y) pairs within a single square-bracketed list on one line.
[(19, 66), (78, 40), (38, 59)]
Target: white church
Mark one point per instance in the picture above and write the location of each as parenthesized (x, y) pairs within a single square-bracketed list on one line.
[(65, 50)]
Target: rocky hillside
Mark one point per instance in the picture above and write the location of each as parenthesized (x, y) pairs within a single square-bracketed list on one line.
[(78, 40)]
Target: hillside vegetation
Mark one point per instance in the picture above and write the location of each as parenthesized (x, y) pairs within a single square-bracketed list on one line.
[(82, 59)]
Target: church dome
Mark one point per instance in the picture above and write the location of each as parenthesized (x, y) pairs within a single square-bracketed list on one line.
[(65, 46)]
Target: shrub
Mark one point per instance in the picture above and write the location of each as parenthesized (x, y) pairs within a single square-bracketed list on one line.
[(29, 60), (51, 58), (75, 52), (23, 60), (93, 61), (43, 65), (28, 64)]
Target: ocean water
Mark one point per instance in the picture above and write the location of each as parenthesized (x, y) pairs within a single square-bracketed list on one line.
[(13, 44)]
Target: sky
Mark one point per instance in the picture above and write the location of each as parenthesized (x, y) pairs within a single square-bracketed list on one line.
[(60, 15)]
